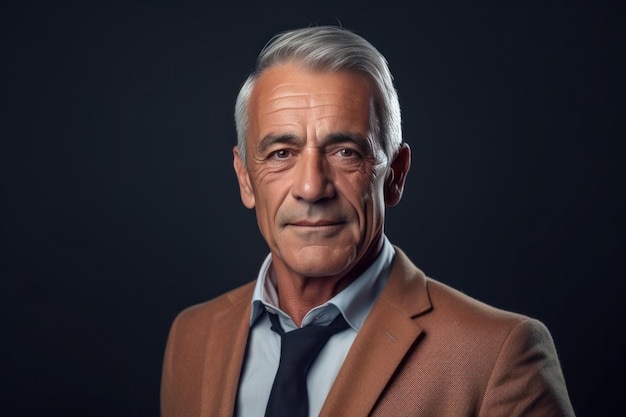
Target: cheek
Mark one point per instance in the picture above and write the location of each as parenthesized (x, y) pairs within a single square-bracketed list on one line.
[(268, 187), (364, 196), (270, 196), (373, 201), (265, 220)]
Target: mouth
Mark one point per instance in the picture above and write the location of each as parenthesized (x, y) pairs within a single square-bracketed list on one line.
[(317, 223), (315, 229)]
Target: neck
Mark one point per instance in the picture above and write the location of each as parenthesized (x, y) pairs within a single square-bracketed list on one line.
[(298, 294)]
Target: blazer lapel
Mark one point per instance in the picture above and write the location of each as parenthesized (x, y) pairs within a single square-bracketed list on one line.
[(384, 340), (225, 353)]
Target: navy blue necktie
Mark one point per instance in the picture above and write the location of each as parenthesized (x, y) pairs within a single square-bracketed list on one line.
[(298, 349)]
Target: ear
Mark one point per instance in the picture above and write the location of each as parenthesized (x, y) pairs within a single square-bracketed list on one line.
[(398, 170), (245, 186)]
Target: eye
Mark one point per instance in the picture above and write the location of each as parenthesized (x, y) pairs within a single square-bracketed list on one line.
[(347, 152), (280, 154)]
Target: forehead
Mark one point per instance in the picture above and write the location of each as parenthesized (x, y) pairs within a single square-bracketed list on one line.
[(288, 96)]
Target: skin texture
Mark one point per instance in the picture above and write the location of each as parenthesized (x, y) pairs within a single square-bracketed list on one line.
[(318, 179)]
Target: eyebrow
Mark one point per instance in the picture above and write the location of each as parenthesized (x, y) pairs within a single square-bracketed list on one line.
[(332, 139), (272, 139), (356, 138)]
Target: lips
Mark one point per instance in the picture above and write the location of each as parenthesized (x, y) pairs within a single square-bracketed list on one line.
[(312, 217), (314, 223)]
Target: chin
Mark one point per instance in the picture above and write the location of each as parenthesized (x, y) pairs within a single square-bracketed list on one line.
[(317, 261)]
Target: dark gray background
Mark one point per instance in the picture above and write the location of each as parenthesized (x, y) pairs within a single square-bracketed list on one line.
[(120, 206)]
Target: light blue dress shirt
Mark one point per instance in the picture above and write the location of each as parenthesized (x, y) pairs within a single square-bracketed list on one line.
[(263, 350)]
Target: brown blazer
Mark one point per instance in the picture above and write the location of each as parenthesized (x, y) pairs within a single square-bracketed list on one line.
[(424, 350)]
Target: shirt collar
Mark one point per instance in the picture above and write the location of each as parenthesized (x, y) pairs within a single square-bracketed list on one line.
[(354, 302)]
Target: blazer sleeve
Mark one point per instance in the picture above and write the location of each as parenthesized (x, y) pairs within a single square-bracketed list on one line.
[(527, 379), (167, 387), (182, 371)]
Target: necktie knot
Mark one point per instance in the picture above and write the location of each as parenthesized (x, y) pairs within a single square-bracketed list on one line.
[(298, 350)]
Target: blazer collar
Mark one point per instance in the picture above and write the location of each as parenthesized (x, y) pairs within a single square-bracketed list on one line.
[(385, 338)]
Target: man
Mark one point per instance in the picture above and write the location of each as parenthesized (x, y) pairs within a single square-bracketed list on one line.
[(319, 157)]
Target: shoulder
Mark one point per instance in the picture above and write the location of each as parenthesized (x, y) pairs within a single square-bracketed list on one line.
[(195, 325), (505, 362), (476, 322), (454, 304), (451, 314), (202, 312)]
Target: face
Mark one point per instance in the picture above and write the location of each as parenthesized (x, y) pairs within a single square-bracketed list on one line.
[(316, 174)]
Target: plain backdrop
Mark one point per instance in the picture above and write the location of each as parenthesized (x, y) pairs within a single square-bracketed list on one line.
[(119, 205)]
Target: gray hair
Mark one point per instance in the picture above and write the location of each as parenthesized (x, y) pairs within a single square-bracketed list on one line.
[(328, 48)]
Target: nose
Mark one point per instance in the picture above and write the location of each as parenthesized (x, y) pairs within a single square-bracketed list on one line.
[(312, 180)]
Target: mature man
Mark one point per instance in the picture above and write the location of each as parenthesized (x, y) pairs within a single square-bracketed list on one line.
[(319, 157)]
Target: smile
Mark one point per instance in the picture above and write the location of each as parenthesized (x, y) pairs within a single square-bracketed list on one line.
[(314, 224)]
